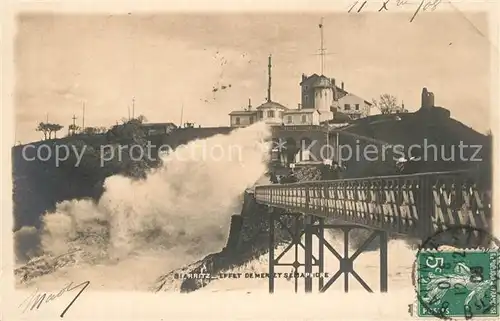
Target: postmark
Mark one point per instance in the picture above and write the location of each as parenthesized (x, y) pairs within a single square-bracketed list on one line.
[(461, 280)]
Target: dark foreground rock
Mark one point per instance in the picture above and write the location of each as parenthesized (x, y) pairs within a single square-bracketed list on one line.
[(248, 239)]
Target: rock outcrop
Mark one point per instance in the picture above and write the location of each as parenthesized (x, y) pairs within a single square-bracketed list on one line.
[(248, 239)]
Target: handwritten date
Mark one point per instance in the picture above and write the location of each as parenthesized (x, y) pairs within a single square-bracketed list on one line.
[(424, 5)]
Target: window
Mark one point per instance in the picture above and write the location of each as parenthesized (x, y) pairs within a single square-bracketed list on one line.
[(289, 119), (251, 119), (304, 119), (281, 114), (261, 114), (306, 87), (347, 107), (237, 121), (357, 106), (306, 99), (270, 113)]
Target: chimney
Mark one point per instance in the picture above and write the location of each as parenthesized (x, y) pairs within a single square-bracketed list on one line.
[(304, 77), (299, 106), (342, 85), (425, 95), (333, 82), (431, 99), (269, 80)]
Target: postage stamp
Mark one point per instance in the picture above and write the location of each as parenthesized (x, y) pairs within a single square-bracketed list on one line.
[(458, 284)]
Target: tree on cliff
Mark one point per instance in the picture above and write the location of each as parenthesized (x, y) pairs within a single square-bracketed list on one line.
[(112, 154), (73, 129), (387, 104), (47, 129), (141, 119), (42, 127), (54, 128), (94, 130), (136, 120)]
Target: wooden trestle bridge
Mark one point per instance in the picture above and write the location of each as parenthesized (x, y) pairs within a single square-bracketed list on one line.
[(415, 206)]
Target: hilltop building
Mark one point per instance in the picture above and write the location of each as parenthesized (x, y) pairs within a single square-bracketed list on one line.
[(427, 99), (322, 93), (300, 134), (320, 100), (274, 113), (158, 128)]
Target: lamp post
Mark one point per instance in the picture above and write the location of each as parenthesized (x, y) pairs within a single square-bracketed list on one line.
[(336, 153), (328, 140)]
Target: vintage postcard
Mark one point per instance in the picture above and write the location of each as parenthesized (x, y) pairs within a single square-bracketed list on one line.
[(297, 160)]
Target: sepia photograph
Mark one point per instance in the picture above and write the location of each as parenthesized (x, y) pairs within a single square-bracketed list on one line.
[(340, 151)]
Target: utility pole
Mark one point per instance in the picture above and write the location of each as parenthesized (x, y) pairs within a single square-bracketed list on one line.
[(74, 124), (83, 116), (269, 79), (182, 111), (328, 140), (133, 107), (339, 160)]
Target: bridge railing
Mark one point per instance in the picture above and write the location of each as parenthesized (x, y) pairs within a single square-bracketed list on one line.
[(417, 204)]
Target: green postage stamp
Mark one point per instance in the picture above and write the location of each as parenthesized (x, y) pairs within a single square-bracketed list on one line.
[(461, 283)]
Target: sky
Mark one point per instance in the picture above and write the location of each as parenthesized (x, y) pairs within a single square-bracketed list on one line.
[(166, 61)]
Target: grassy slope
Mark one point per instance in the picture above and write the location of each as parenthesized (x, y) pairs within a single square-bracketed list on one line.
[(432, 128)]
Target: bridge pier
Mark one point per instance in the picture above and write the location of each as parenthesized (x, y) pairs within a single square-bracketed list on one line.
[(416, 205), (306, 226)]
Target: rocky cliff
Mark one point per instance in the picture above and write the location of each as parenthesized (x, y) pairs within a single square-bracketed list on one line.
[(248, 239)]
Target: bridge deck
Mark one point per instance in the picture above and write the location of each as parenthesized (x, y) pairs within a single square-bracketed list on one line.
[(416, 205)]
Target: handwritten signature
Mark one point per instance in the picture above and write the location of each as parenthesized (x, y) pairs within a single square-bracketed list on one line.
[(425, 5), (35, 300)]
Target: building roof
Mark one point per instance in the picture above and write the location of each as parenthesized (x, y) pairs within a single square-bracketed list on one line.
[(339, 92), (317, 81), (351, 94), (302, 111), (271, 104), (158, 125), (322, 82), (243, 112)]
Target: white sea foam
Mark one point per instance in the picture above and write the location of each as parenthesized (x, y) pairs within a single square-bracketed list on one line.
[(367, 265), (142, 229)]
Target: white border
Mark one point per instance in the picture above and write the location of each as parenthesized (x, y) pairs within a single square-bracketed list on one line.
[(216, 306)]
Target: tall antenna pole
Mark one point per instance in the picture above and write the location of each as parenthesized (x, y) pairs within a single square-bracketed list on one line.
[(269, 80), (322, 50), (83, 116)]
